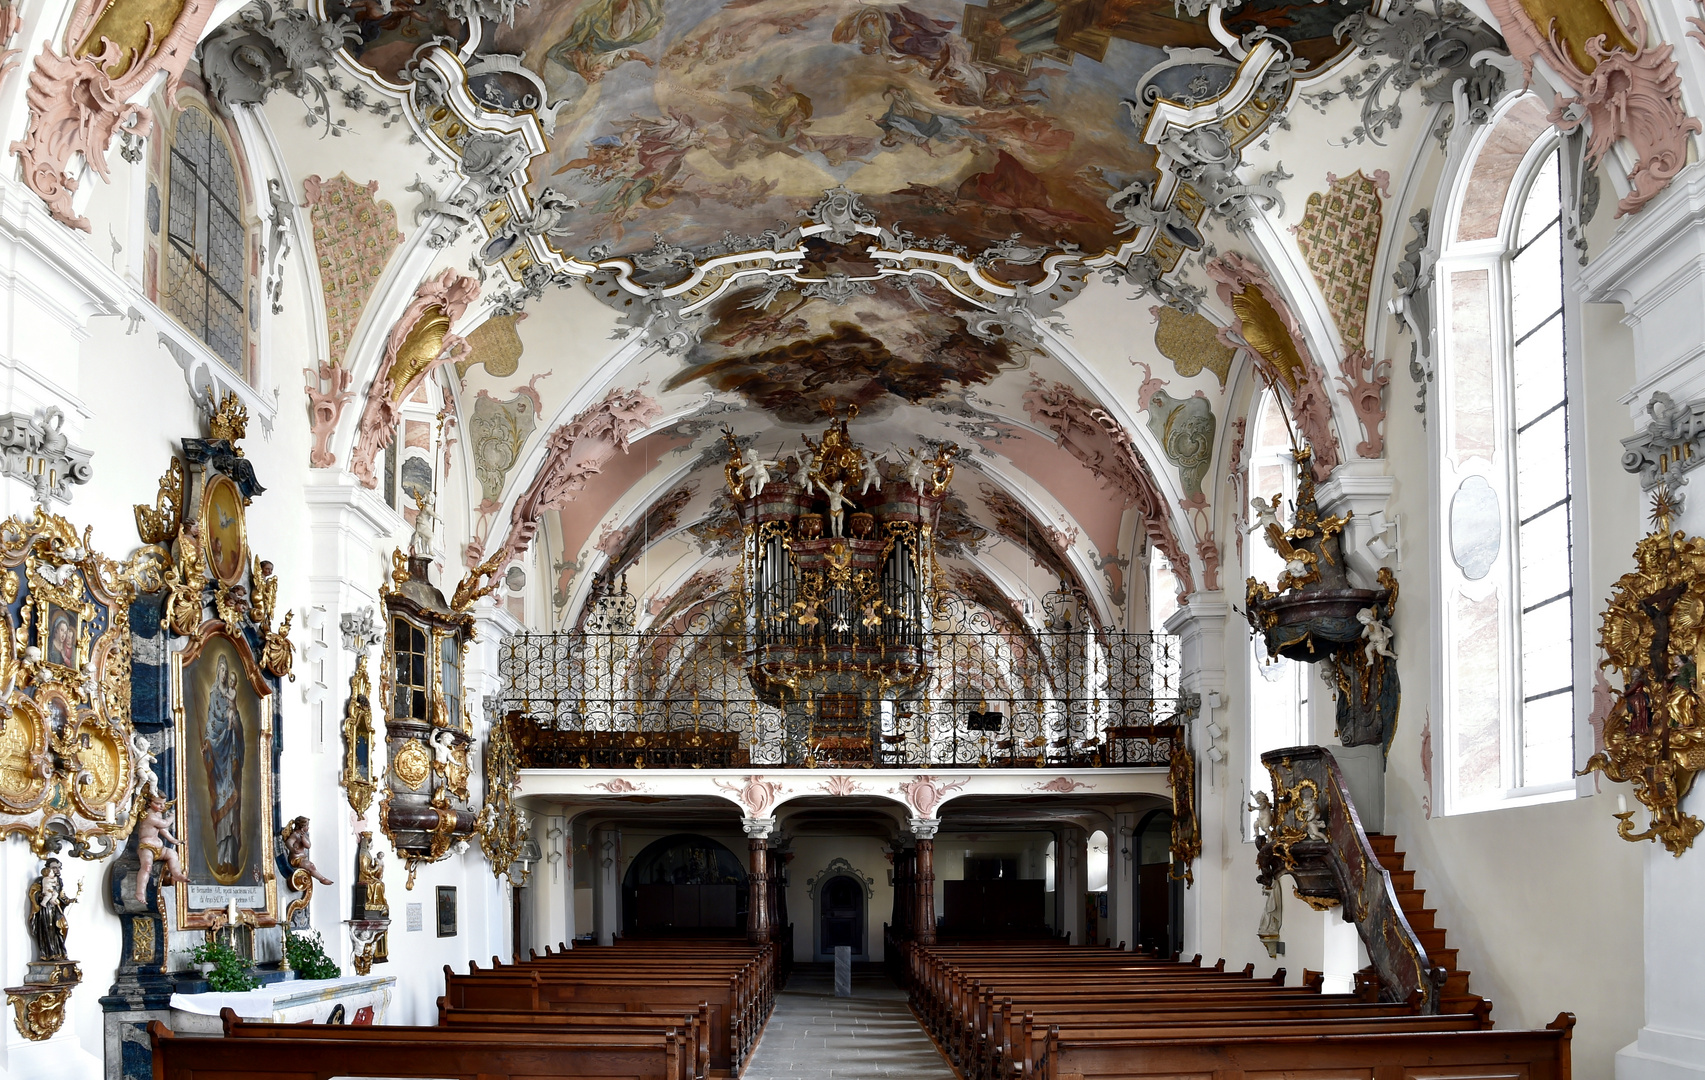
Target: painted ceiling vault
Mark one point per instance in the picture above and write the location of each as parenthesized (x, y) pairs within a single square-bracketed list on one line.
[(1072, 239)]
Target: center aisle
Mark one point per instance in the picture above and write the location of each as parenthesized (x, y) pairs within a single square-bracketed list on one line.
[(870, 1035)]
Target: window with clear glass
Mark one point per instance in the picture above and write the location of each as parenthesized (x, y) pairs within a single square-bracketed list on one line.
[(1278, 688), (408, 646), (205, 240), (1505, 537)]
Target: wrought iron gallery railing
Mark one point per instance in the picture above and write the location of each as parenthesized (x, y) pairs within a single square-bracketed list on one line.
[(682, 697)]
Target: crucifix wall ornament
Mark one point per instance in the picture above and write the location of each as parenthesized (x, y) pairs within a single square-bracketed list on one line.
[(1653, 635)]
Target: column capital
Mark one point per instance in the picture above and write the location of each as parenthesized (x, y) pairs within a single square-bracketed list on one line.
[(924, 828), (758, 828)]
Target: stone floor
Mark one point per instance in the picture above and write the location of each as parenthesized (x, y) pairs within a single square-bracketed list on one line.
[(872, 1034)]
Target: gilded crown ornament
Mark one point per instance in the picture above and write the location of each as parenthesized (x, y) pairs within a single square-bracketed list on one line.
[(1653, 635), (230, 419)]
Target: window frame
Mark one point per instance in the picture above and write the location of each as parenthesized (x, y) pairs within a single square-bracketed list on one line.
[(1495, 255), (243, 370)]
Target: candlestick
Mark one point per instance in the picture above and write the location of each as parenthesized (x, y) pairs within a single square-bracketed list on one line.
[(1622, 804)]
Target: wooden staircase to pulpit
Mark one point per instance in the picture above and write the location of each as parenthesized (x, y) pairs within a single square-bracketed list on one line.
[(1454, 995)]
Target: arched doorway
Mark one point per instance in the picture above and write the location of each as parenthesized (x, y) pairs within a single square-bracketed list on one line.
[(1160, 898), (840, 915), (684, 884)]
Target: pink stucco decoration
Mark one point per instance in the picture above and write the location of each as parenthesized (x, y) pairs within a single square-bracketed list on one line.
[(574, 453), (1633, 96), (1363, 381), (1087, 432), (77, 105), (924, 793), (449, 291), (1310, 408), (325, 407)]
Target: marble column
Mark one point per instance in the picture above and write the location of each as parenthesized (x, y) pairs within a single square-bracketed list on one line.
[(924, 874), (758, 879)]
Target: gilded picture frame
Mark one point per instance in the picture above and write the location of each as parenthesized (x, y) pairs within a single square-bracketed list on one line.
[(224, 526), (360, 736), (224, 710)]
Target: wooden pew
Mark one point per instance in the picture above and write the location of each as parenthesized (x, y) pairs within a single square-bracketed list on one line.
[(696, 1026), (320, 1052)]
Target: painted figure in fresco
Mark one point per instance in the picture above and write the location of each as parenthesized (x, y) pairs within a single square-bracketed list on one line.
[(47, 912), (222, 752), (153, 834), (604, 34), (838, 503)]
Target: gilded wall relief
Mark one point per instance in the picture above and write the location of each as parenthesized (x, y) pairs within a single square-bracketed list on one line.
[(1192, 343), (354, 236), (1339, 239), (1627, 89), (419, 344), (1266, 327), (495, 343), (78, 105)]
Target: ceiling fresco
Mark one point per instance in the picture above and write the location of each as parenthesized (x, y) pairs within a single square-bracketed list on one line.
[(784, 351)]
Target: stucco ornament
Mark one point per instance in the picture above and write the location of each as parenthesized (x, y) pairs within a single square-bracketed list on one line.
[(354, 236), (78, 104), (1363, 381), (574, 453), (1267, 329), (35, 452), (328, 395), (1184, 427), (924, 793), (249, 57), (1441, 52), (1411, 303), (1089, 433), (1624, 89), (419, 344), (754, 793)]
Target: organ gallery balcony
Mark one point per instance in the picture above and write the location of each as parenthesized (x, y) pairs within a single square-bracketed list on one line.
[(685, 697)]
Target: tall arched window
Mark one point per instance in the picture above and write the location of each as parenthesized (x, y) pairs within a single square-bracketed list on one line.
[(1503, 455), (1278, 688), (205, 249)]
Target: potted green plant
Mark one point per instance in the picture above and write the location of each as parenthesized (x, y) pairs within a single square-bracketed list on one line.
[(230, 973), (307, 956)]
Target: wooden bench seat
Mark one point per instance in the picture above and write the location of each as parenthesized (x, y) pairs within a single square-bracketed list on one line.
[(695, 1026)]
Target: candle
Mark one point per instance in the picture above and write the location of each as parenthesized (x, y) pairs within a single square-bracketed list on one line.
[(1622, 804), (231, 911)]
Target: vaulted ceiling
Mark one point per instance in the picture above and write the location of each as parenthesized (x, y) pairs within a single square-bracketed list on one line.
[(1053, 234)]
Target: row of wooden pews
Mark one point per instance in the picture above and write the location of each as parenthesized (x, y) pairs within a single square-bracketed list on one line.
[(686, 1009), (1047, 1011)]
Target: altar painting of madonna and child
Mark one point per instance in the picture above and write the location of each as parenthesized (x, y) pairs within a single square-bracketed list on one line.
[(224, 772)]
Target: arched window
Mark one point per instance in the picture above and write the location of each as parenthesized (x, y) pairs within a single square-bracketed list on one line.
[(205, 252), (1278, 688), (1503, 455)]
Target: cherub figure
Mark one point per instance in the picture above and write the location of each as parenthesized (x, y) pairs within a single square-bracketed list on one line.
[(443, 746), (296, 844), (919, 471), (1375, 633), (756, 473), (153, 835), (1266, 513), (838, 503), (1263, 807), (802, 473), (1309, 816), (872, 475)]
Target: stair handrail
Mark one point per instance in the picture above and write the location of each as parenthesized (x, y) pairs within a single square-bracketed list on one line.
[(1318, 839)]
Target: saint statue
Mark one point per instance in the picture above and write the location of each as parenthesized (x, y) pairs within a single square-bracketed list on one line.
[(425, 523), (222, 752), (47, 912)]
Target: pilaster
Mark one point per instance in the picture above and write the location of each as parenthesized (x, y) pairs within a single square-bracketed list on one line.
[(1201, 624)]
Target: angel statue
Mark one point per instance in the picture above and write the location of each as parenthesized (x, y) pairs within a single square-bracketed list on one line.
[(1375, 633), (919, 471), (425, 523), (297, 843), (1266, 513), (838, 503), (756, 473), (153, 834), (802, 474), (1263, 808), (872, 475)]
